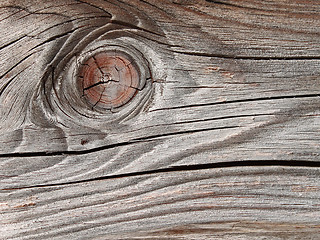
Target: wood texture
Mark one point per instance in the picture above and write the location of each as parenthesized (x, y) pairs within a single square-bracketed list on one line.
[(272, 202), (222, 140)]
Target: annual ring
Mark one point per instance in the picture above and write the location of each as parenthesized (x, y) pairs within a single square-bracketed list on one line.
[(108, 80)]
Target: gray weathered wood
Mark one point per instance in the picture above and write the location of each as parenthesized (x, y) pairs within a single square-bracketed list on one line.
[(273, 202), (234, 85)]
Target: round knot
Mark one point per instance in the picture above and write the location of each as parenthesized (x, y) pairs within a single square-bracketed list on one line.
[(108, 80)]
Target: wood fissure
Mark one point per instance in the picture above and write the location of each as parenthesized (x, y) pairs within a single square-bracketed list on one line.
[(84, 152), (241, 101), (255, 58), (184, 168)]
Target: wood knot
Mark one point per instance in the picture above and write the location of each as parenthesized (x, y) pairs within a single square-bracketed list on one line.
[(108, 80)]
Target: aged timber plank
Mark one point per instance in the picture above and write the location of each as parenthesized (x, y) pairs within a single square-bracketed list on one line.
[(246, 89), (223, 131)]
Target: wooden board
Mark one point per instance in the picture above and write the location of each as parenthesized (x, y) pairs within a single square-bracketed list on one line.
[(272, 202), (221, 140)]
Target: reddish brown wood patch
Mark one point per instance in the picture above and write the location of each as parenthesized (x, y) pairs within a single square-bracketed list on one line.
[(108, 80)]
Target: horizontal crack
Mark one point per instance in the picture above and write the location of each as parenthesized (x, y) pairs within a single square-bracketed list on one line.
[(239, 101), (246, 163), (92, 150), (14, 41), (294, 58)]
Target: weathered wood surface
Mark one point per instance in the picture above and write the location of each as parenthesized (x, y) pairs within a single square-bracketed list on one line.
[(223, 140)]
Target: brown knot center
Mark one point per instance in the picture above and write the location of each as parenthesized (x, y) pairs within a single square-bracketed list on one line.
[(108, 80)]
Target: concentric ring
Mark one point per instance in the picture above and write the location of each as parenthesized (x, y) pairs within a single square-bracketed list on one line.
[(108, 80)]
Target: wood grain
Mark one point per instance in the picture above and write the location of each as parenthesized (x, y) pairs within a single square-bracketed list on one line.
[(273, 202), (222, 141)]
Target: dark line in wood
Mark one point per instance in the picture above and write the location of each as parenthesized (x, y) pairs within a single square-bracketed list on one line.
[(79, 19), (10, 15), (221, 3), (125, 24), (99, 98), (239, 101), (156, 7), (54, 38), (274, 11), (95, 61), (44, 91), (156, 40), (11, 80), (220, 118), (238, 6), (259, 58), (195, 167), (98, 83), (61, 109), (94, 6), (115, 145), (35, 13), (211, 119), (14, 66), (14, 41), (255, 24)]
